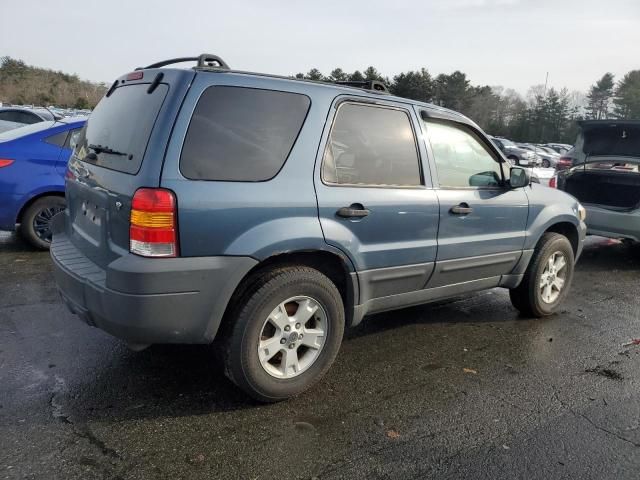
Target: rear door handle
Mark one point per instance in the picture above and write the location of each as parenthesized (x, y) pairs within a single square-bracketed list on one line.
[(355, 210), (461, 209)]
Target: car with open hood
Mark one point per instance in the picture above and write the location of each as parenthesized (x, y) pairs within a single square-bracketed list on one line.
[(605, 176)]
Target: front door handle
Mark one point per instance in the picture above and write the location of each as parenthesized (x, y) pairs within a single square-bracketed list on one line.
[(461, 209), (355, 210)]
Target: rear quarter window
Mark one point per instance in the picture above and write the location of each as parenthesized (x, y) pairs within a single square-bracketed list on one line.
[(242, 134)]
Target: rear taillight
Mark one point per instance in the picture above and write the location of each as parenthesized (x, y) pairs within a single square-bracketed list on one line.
[(553, 183), (153, 230), (564, 163), (5, 162)]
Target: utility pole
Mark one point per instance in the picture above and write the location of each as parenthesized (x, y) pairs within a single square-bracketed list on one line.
[(544, 97)]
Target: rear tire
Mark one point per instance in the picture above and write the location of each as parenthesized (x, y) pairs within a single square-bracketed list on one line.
[(35, 226), (267, 361), (546, 283)]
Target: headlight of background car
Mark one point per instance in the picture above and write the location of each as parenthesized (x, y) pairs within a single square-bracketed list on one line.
[(582, 213)]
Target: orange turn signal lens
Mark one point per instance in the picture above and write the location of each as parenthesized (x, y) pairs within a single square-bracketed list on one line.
[(152, 219)]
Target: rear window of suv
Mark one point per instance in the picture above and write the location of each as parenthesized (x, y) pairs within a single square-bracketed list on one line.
[(121, 123), (242, 134)]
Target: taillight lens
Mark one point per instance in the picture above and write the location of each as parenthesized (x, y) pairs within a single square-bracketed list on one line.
[(564, 163), (153, 230), (5, 162), (553, 183)]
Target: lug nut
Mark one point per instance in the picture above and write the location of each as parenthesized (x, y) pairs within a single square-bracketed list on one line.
[(300, 336), (297, 325), (292, 345), (287, 328), (283, 341)]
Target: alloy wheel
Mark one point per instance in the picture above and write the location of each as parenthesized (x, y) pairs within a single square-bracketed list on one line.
[(42, 222), (553, 277), (292, 337)]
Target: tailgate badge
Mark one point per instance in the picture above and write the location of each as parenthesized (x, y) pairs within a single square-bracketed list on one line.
[(118, 205)]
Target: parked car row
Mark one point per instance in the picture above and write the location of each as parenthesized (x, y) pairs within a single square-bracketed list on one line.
[(532, 155), (15, 116)]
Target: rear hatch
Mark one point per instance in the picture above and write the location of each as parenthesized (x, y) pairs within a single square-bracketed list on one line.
[(606, 165), (121, 149)]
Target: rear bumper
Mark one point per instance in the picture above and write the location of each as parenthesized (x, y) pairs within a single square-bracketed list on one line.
[(609, 223), (145, 301)]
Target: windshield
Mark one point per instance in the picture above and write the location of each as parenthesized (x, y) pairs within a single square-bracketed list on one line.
[(507, 142)]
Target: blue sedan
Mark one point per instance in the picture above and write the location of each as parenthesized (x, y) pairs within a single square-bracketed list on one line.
[(33, 161)]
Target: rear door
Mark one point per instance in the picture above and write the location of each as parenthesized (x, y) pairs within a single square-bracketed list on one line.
[(375, 199), (482, 223), (120, 149)]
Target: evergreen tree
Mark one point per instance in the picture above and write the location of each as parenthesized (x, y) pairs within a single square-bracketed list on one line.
[(415, 85), (337, 75), (314, 74), (356, 77), (599, 97), (627, 99)]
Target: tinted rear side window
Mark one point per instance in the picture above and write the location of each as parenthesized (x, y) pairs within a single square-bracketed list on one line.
[(241, 134), (371, 145), (122, 123)]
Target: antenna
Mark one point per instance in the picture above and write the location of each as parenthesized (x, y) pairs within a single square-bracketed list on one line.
[(544, 96)]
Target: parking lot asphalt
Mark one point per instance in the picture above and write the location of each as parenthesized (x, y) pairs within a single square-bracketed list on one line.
[(459, 389)]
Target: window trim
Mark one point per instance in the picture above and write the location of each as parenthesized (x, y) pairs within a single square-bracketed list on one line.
[(367, 102), (478, 135), (293, 145)]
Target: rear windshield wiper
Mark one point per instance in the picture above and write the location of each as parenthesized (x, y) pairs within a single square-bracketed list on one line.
[(101, 149)]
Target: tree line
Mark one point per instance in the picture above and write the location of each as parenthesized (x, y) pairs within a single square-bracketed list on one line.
[(22, 84), (543, 115)]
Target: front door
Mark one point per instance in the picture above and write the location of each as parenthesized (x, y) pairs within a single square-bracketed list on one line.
[(375, 201), (482, 221)]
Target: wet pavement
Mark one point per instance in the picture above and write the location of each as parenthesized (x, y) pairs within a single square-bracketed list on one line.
[(459, 389)]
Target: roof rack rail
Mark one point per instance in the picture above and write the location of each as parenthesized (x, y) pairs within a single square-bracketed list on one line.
[(204, 60), (374, 85)]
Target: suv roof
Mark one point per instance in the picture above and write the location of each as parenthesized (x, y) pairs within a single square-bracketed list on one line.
[(368, 88)]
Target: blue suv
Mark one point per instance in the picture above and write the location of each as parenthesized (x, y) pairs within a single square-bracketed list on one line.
[(266, 214)]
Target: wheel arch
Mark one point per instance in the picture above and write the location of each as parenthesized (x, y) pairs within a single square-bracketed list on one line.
[(570, 231), (337, 267), (35, 198)]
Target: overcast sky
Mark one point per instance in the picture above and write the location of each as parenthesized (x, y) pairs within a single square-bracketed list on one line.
[(496, 42)]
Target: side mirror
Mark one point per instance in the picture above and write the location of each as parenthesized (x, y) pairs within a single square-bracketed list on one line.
[(519, 177)]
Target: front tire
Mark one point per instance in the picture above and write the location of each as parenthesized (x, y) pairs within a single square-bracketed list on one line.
[(546, 163), (35, 226), (285, 333), (548, 278)]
